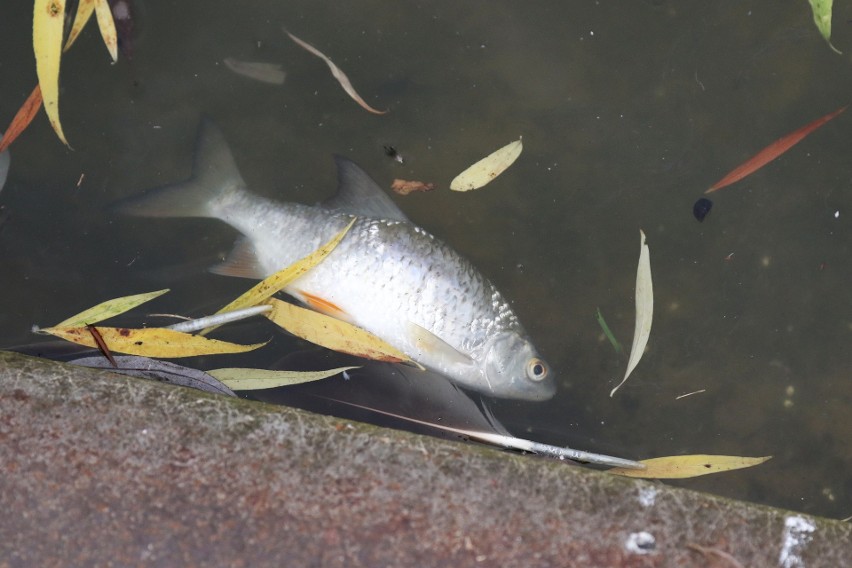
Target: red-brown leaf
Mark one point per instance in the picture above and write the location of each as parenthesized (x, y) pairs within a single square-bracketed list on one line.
[(772, 151), (23, 118)]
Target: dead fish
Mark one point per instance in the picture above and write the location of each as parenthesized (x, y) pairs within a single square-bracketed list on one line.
[(387, 275)]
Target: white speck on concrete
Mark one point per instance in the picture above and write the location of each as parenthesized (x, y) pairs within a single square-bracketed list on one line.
[(797, 535), (641, 542), (648, 496)]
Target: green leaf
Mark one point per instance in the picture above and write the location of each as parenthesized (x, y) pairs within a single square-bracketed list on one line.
[(109, 309), (822, 19)]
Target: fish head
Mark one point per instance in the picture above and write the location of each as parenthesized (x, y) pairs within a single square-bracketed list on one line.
[(512, 368)]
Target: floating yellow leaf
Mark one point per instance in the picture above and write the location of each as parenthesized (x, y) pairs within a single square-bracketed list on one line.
[(150, 342), (107, 26), (680, 467), (488, 168), (109, 309), (84, 12), (257, 379), (644, 310), (272, 284), (48, 25), (332, 333), (822, 19)]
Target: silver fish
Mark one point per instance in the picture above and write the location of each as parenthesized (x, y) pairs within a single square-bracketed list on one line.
[(387, 275)]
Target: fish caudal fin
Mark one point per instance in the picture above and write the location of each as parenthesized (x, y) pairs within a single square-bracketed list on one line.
[(214, 177)]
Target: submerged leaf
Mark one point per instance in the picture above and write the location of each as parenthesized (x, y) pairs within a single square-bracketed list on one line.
[(482, 172), (48, 26), (23, 118), (162, 371), (337, 73), (150, 342), (271, 73), (772, 151), (258, 379), (608, 332), (332, 333), (109, 308), (680, 467), (644, 310), (404, 186), (822, 19), (270, 285)]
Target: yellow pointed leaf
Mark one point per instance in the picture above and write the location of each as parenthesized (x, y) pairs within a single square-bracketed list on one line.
[(84, 12), (48, 24), (109, 309), (680, 467), (257, 379), (270, 285), (150, 342), (107, 26), (332, 333), (488, 168)]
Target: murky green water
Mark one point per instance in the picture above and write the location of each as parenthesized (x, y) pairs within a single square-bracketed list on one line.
[(628, 112)]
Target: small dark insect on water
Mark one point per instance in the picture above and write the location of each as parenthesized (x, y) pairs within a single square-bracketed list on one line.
[(391, 152), (702, 208)]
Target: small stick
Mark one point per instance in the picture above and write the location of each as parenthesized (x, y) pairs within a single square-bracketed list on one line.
[(690, 394), (219, 319)]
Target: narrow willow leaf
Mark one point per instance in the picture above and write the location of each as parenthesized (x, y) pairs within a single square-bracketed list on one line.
[(107, 27), (271, 73), (482, 172), (644, 310), (109, 309), (85, 8), (267, 287), (681, 467), (332, 333), (48, 25), (150, 342), (23, 118), (772, 151), (822, 19), (608, 332), (337, 73), (257, 379)]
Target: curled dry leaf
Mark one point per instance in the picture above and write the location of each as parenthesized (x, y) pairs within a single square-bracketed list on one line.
[(404, 186), (271, 73), (332, 333), (681, 467), (258, 379), (337, 73), (485, 170), (150, 342)]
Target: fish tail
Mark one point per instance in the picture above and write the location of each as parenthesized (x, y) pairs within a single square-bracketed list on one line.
[(215, 178)]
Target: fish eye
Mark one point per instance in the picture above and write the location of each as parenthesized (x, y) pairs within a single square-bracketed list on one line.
[(536, 369)]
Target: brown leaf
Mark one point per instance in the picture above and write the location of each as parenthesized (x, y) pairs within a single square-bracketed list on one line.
[(23, 118), (404, 186)]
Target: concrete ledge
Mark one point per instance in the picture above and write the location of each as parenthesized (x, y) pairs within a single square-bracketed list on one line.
[(100, 469)]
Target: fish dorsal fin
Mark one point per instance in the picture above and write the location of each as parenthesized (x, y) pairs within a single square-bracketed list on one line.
[(427, 342), (358, 194), (242, 261)]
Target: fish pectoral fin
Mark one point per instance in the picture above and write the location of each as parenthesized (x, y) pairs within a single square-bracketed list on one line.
[(427, 342), (321, 305), (241, 261)]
